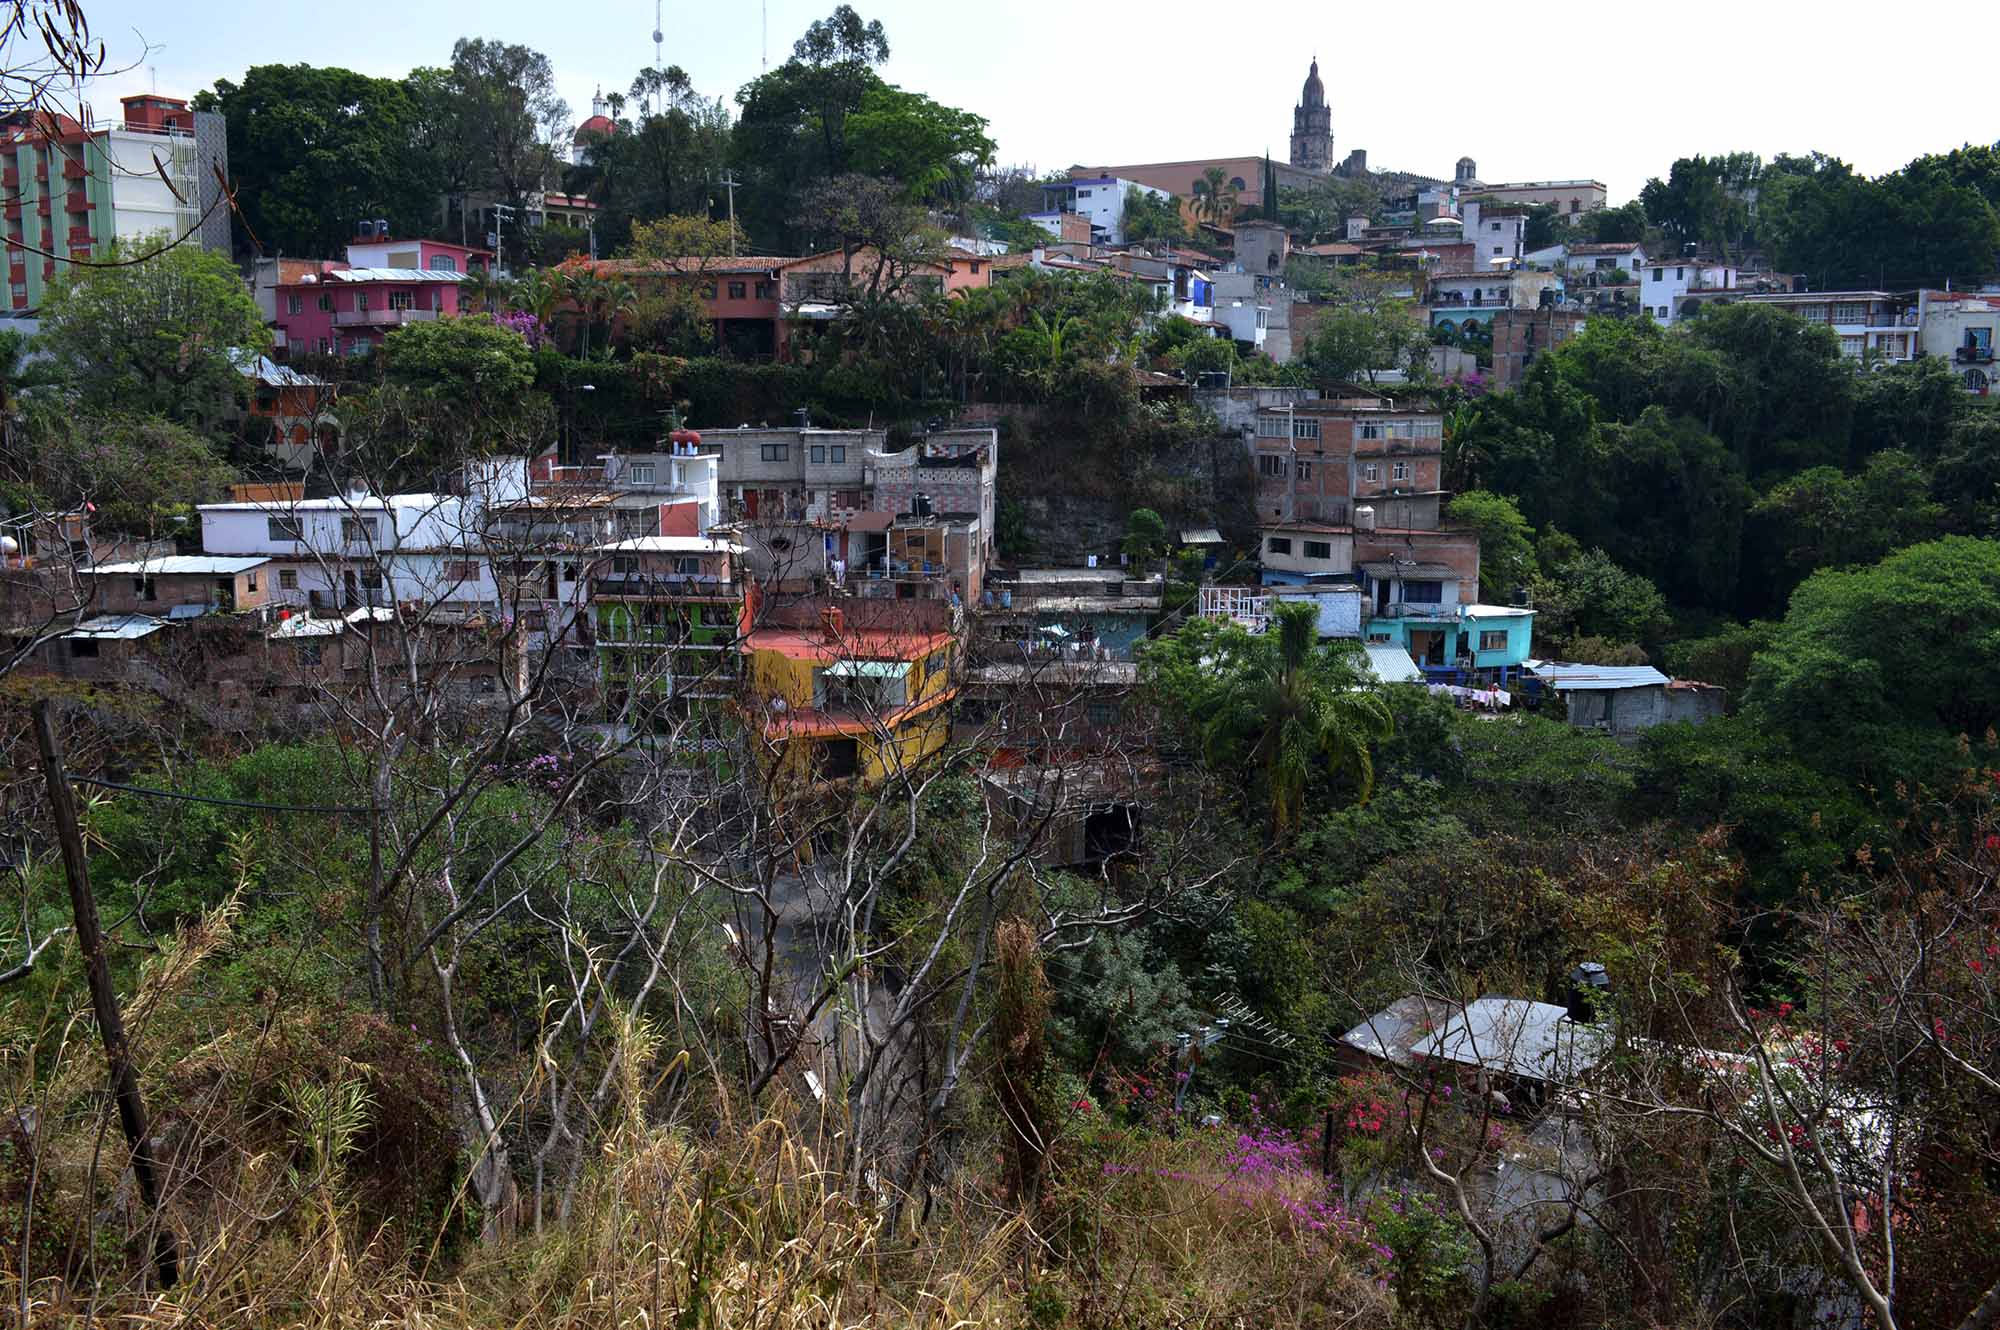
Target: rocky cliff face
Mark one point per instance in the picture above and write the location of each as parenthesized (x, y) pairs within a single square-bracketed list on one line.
[(1069, 497)]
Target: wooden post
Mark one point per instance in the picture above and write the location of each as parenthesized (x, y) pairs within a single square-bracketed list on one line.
[(103, 999)]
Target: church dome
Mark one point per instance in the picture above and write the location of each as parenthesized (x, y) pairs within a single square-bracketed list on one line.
[(1314, 93), (597, 127)]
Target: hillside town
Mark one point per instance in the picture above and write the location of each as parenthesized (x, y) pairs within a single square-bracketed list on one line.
[(731, 712)]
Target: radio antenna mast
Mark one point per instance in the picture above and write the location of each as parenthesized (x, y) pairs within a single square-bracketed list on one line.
[(764, 16), (659, 56)]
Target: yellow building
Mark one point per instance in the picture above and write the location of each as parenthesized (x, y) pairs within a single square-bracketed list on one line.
[(838, 700)]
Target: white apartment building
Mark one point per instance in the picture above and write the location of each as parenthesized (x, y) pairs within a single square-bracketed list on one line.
[(1662, 283), (1869, 323)]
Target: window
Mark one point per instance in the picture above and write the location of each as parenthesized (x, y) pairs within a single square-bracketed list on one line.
[(1659, 274), (776, 452), (1083, 193), (252, 584), (325, 303), (569, 572), (1305, 427), (1851, 345), (1423, 593), (326, 346), (642, 473), (295, 303), (1493, 641), (1371, 471), (443, 263), (1304, 468), (1499, 249), (1399, 471), (142, 589), (1271, 466), (819, 454), (737, 290), (1495, 227), (1319, 549), (840, 452), (1378, 637), (371, 579), (935, 665), (1278, 545), (1680, 274), (766, 291), (437, 300), (288, 580), (402, 300), (283, 528), (356, 529), (361, 302), (456, 573), (85, 647), (1850, 311)]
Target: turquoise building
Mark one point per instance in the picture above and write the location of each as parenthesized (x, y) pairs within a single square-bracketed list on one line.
[(1491, 641)]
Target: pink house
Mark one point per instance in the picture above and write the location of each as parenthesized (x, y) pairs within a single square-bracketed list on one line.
[(348, 311), (348, 308)]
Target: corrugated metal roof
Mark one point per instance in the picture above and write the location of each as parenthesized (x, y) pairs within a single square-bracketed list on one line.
[(1566, 677), (391, 275), (190, 565), (266, 370), (1392, 664), (1201, 535), (1531, 1039), (118, 627)]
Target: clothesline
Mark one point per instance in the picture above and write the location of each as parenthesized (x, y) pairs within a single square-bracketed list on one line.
[(1491, 698)]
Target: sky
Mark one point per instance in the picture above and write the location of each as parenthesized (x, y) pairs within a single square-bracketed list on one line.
[(1609, 91)]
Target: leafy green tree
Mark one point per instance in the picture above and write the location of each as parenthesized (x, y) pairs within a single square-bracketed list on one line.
[(1589, 596), (1354, 344), (162, 338), (932, 149), (142, 474), (1704, 201), (1145, 536), (451, 389), (1506, 550), (1721, 658), (666, 158), (313, 150), (1914, 407), (1792, 825), (1875, 672), (1623, 225), (1827, 519), (1680, 499), (1280, 709), (1786, 398), (1150, 217), (792, 133), (513, 118)]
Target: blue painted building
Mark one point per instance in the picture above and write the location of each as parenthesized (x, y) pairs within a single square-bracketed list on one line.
[(1487, 640)]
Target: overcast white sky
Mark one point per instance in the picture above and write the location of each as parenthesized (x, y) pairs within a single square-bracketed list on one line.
[(1609, 90)]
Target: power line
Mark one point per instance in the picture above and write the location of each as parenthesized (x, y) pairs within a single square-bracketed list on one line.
[(221, 803)]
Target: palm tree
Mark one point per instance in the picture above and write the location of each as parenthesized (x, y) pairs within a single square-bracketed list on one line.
[(1301, 709), (1215, 200)]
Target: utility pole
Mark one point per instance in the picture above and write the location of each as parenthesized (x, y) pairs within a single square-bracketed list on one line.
[(103, 999), (730, 182)]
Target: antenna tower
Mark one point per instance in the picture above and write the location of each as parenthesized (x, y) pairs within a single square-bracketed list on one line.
[(659, 56)]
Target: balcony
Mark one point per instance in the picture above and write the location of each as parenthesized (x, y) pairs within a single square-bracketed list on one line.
[(1973, 355), (663, 586), (80, 235), (381, 318), (73, 169), (78, 201)]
